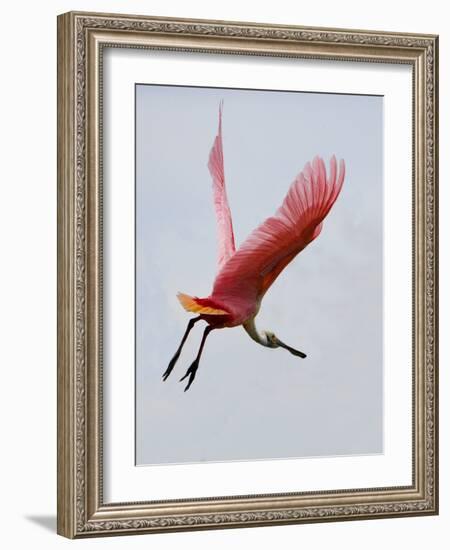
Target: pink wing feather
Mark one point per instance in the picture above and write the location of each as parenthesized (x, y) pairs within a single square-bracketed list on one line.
[(270, 247), (226, 246)]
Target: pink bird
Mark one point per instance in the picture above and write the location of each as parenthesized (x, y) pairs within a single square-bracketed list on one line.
[(245, 275)]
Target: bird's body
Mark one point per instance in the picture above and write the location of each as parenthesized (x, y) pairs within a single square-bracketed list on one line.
[(245, 275)]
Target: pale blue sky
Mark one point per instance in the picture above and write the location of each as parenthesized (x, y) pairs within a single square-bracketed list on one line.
[(249, 402)]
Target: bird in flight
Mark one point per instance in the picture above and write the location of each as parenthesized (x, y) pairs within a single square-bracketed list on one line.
[(244, 275)]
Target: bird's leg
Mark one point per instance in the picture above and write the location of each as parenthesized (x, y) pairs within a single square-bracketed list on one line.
[(180, 347), (192, 370)]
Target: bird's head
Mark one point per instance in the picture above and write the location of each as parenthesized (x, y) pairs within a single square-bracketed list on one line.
[(274, 342), (271, 339)]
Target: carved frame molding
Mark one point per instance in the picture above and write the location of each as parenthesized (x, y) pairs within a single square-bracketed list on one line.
[(81, 38)]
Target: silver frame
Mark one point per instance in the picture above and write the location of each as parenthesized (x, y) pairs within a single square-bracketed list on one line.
[(81, 39)]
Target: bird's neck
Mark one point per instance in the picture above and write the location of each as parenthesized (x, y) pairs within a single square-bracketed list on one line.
[(253, 332)]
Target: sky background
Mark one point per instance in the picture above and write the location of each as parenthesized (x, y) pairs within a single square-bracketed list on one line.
[(249, 402)]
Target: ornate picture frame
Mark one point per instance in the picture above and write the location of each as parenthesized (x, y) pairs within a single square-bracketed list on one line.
[(82, 40)]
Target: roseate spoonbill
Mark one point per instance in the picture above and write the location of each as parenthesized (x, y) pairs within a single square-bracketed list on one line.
[(245, 275)]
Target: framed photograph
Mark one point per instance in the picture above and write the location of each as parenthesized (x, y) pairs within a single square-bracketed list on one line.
[(247, 274)]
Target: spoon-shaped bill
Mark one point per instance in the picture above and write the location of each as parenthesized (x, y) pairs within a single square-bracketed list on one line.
[(295, 352)]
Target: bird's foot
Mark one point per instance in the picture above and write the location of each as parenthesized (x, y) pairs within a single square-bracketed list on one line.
[(191, 372), (170, 367)]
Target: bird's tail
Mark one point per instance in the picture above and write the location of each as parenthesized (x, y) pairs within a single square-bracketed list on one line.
[(202, 306)]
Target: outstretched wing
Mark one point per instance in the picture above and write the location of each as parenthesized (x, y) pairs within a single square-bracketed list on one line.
[(226, 246), (271, 246)]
